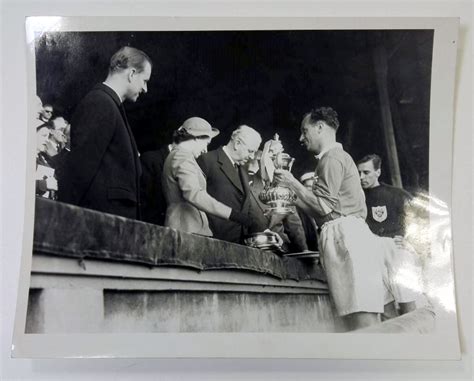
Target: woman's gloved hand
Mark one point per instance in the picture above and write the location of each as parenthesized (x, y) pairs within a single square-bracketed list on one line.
[(277, 236)]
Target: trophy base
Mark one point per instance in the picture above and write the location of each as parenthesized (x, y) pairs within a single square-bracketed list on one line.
[(279, 199), (281, 210)]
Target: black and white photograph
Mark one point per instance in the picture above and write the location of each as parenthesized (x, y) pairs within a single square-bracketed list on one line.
[(248, 177)]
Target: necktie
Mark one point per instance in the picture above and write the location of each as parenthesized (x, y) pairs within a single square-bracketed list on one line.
[(243, 178)]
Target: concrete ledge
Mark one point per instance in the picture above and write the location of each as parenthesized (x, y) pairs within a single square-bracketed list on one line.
[(68, 295), (68, 231), (48, 269)]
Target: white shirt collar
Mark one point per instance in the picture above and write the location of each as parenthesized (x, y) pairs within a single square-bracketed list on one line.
[(110, 87), (224, 148), (328, 148)]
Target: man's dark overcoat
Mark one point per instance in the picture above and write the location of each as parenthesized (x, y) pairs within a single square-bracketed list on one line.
[(102, 171), (229, 185)]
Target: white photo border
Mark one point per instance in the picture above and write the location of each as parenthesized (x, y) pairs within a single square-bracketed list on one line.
[(442, 344)]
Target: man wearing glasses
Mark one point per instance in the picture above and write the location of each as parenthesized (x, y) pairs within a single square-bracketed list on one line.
[(228, 182), (46, 113)]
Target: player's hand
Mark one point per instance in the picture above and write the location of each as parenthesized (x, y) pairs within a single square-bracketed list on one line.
[(401, 242), (284, 177)]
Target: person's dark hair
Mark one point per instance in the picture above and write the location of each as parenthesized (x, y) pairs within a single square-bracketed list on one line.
[(44, 125), (374, 158), (181, 135), (326, 114), (128, 57)]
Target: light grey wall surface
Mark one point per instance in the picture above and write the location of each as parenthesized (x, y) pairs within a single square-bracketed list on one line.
[(111, 297)]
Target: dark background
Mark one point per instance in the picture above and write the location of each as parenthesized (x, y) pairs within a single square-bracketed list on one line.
[(266, 79)]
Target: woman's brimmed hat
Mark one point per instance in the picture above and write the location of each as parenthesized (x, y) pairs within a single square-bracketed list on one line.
[(196, 126)]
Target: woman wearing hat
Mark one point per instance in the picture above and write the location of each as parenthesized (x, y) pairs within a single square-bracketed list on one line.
[(184, 184)]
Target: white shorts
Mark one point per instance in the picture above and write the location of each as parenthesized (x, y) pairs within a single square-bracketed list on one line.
[(350, 255), (403, 275)]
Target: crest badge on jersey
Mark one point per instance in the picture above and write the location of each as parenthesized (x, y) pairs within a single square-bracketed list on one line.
[(379, 213)]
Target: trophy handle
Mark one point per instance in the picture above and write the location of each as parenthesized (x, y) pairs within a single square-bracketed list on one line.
[(290, 165)]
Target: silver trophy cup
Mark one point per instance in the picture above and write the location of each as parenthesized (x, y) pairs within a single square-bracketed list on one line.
[(280, 199)]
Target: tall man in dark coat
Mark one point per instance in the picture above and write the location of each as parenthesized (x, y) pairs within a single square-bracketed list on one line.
[(103, 168), (228, 182)]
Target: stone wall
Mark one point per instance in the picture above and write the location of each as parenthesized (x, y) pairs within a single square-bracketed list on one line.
[(92, 296)]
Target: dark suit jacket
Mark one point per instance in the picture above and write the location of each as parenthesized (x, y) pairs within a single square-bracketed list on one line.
[(230, 186), (102, 171), (153, 203)]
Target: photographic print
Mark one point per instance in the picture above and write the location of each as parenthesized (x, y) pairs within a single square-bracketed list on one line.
[(239, 188)]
